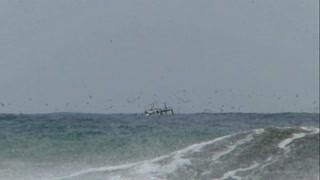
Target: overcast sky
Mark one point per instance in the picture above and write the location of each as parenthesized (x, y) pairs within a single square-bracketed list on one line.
[(103, 56)]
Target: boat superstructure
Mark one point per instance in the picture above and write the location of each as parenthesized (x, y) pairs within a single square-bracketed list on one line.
[(160, 111)]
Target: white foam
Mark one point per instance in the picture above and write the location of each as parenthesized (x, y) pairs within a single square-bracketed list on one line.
[(283, 144), (258, 131), (269, 161), (153, 168), (100, 169), (233, 172), (178, 156), (148, 166), (247, 139), (177, 159), (199, 146), (312, 129)]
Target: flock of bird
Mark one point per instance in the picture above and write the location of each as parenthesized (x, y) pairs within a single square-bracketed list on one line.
[(181, 98)]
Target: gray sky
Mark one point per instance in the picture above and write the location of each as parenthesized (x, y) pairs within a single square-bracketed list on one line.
[(108, 56)]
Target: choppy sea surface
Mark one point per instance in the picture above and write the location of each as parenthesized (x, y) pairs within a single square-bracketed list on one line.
[(186, 146)]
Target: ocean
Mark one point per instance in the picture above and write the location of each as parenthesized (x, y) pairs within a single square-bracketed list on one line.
[(202, 146)]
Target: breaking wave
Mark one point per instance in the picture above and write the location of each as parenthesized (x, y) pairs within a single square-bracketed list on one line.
[(270, 153)]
